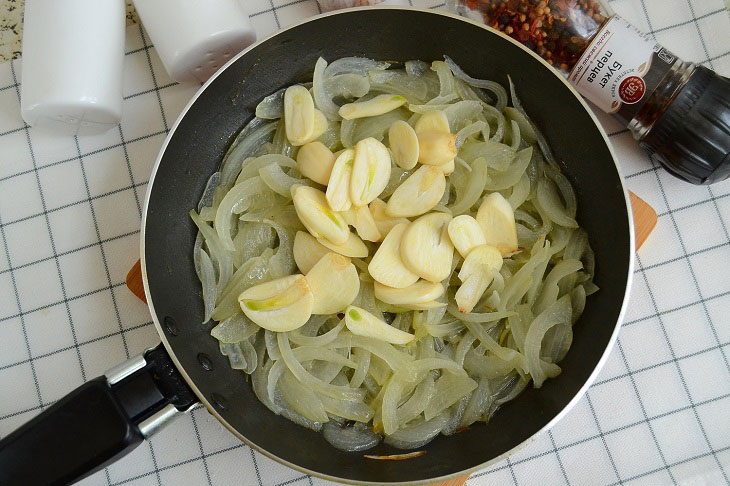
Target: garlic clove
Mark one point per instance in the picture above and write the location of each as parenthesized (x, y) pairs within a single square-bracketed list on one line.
[(432, 121), (497, 220), (436, 148), (353, 246), (298, 114), (338, 186), (362, 323), (426, 248), (334, 284), (483, 260), (466, 234), (307, 251), (418, 194), (386, 265), (320, 126), (376, 106), (477, 272), (280, 305), (383, 221), (419, 293), (362, 220), (316, 215), (470, 292), (403, 143), (315, 161), (370, 171)]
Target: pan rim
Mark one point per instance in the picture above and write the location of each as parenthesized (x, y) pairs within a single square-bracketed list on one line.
[(551, 423)]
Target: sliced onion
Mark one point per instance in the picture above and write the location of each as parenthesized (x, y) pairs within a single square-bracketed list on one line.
[(354, 65), (550, 202), (234, 329), (351, 439), (321, 97), (271, 107), (512, 175), (302, 399), (469, 195), (418, 433), (497, 89), (556, 314)]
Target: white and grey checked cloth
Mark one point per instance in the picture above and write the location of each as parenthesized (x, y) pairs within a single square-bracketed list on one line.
[(69, 231)]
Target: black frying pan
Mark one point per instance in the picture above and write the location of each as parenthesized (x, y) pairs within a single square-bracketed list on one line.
[(109, 416)]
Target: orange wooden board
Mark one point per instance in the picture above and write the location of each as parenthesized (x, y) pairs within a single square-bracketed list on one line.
[(645, 219)]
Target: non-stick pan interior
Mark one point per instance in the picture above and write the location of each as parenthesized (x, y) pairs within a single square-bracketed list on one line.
[(197, 147)]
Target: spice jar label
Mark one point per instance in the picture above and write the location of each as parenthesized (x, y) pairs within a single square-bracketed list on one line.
[(620, 69)]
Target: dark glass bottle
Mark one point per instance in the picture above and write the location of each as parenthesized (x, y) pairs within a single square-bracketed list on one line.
[(678, 111)]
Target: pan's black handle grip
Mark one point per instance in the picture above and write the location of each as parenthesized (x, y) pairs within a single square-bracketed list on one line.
[(96, 424)]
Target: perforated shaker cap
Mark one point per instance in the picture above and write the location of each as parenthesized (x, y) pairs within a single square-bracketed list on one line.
[(692, 138)]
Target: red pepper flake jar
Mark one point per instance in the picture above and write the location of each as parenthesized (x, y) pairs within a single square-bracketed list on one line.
[(678, 111)]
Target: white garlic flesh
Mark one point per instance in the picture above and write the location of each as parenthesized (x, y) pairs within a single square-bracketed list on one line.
[(363, 323), (279, 305), (426, 248), (317, 216), (418, 194), (334, 284)]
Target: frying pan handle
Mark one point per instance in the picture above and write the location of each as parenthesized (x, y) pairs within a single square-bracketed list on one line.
[(96, 424)]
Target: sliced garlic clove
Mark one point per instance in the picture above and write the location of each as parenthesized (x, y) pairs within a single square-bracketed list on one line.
[(418, 194), (418, 293), (436, 148), (370, 171), (298, 114), (470, 292), (307, 251), (432, 121), (353, 246), (483, 260), (426, 248), (320, 126), (316, 215), (386, 266), (280, 305), (497, 220), (466, 234), (403, 143), (383, 221), (363, 222), (338, 187), (362, 323), (334, 284), (315, 161), (377, 106), (477, 272)]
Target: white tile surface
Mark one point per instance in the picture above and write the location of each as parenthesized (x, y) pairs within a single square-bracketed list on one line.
[(650, 420)]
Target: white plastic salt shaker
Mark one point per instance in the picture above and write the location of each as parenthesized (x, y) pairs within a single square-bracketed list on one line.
[(194, 38), (73, 53)]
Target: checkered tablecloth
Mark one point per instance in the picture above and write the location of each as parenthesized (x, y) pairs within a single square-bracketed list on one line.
[(69, 229)]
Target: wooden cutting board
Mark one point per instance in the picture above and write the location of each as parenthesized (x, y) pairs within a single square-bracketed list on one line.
[(645, 219)]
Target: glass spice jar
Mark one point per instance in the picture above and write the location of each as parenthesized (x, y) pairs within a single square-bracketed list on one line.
[(678, 111)]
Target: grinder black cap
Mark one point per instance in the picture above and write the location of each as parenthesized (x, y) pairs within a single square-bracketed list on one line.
[(692, 138)]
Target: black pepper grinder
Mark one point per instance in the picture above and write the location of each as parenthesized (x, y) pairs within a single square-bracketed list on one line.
[(679, 112)]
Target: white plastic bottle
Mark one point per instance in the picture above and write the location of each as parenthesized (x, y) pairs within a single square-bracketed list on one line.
[(73, 53), (194, 38)]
